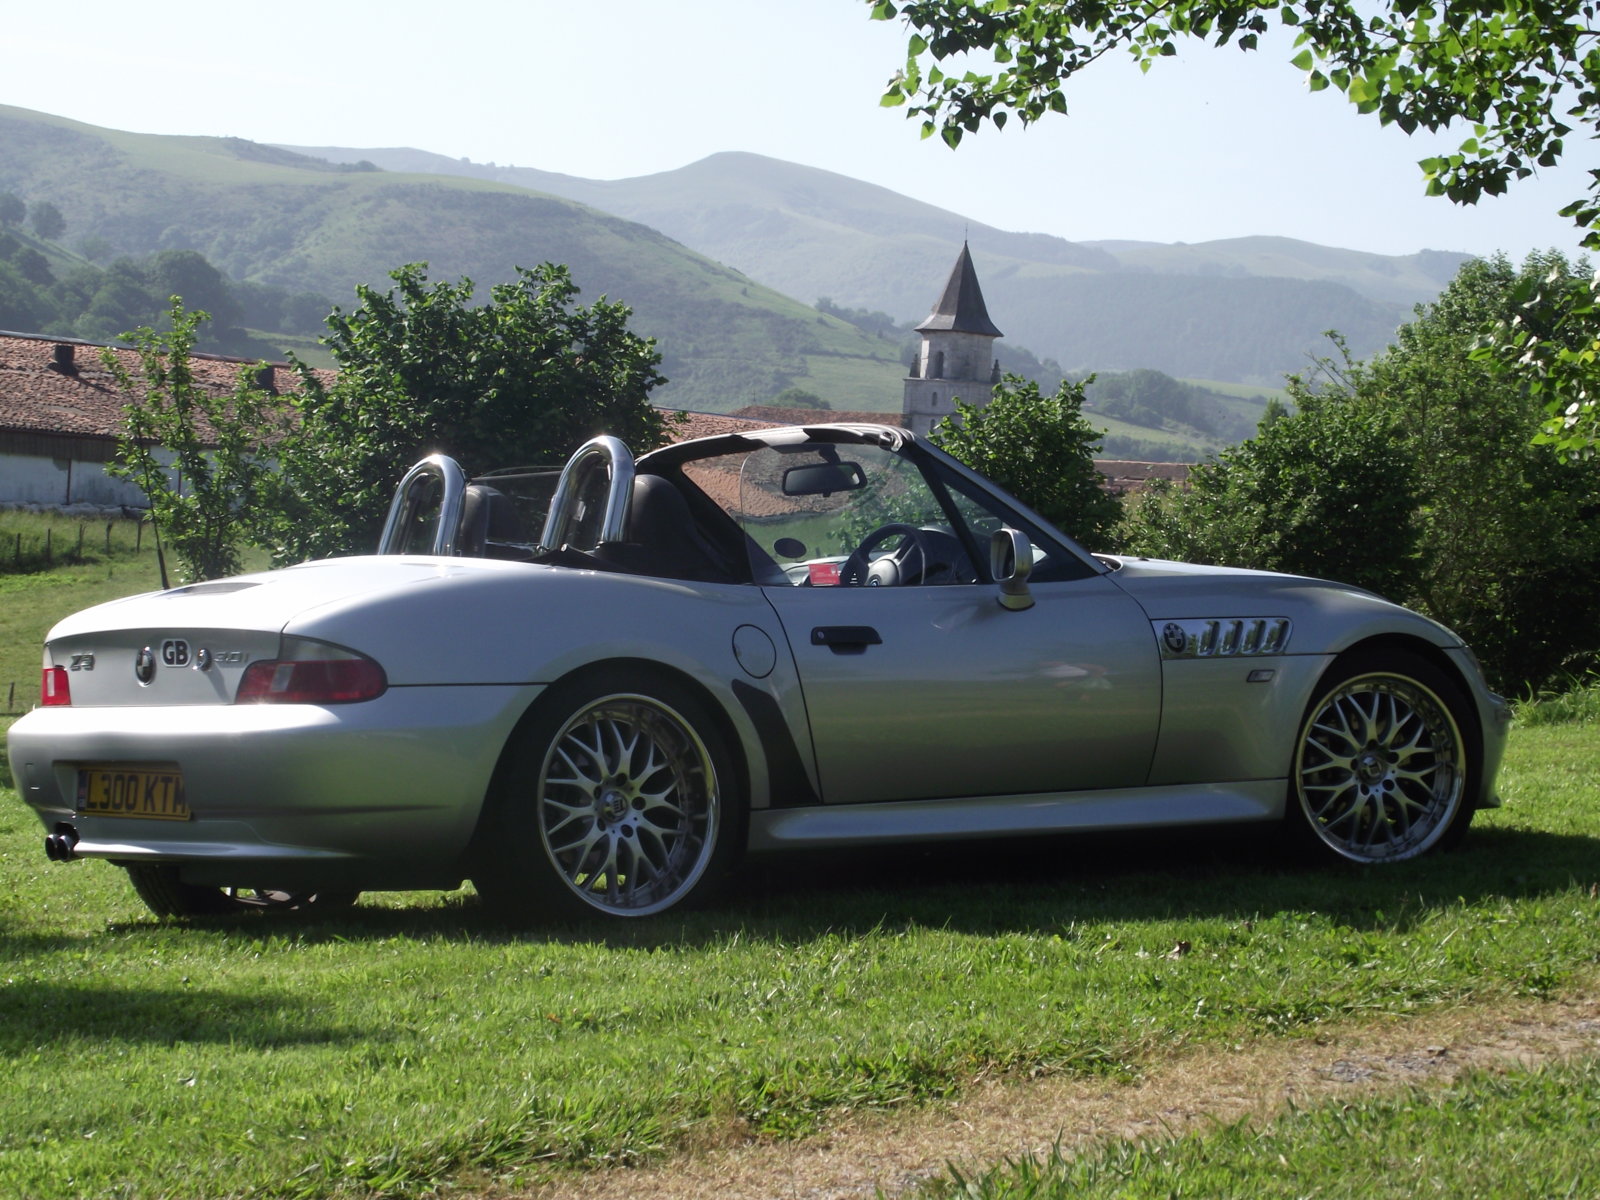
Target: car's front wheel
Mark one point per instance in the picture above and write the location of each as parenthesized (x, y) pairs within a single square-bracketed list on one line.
[(1385, 761), (618, 799)]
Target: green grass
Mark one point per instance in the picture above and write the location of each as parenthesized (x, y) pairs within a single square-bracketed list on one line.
[(1528, 1133), (411, 1047), (1578, 704), (38, 541)]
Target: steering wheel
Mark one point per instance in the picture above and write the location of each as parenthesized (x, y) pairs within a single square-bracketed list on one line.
[(893, 568)]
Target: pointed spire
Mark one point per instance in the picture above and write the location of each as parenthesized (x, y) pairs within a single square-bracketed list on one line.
[(961, 308)]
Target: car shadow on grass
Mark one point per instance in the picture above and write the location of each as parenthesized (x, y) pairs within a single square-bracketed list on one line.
[(1045, 883), (1033, 885)]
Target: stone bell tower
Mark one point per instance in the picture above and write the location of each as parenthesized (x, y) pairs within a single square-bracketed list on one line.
[(956, 360)]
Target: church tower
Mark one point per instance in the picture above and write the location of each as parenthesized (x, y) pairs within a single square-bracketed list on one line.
[(956, 360)]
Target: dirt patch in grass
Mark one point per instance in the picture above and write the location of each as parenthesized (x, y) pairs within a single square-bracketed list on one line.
[(866, 1155)]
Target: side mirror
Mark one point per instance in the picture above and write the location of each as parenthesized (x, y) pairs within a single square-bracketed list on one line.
[(1010, 564)]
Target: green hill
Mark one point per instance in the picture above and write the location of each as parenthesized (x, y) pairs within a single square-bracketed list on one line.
[(272, 216), (1245, 310)]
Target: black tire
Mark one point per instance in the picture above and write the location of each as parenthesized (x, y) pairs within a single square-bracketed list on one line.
[(166, 895), (617, 798), (1386, 760)]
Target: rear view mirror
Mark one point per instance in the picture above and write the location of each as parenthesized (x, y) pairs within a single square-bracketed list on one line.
[(823, 479)]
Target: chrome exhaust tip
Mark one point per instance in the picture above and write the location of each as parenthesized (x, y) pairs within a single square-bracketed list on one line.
[(61, 845)]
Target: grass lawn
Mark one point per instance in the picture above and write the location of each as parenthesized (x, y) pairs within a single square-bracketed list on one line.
[(409, 1047), (1519, 1134)]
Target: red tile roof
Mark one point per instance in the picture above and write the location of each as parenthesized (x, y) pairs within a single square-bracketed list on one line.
[(1122, 476), (61, 386)]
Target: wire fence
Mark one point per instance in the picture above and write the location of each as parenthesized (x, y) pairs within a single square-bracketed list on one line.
[(35, 542), (38, 546)]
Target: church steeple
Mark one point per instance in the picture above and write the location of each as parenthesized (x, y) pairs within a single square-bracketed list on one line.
[(956, 359), (961, 308)]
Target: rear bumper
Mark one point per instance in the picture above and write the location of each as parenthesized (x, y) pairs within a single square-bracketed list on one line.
[(399, 779)]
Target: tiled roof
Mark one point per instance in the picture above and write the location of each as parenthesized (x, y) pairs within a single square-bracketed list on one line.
[(1124, 476), (61, 386), (766, 414)]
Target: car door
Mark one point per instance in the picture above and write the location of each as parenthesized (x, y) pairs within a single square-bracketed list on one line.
[(925, 692), (917, 682)]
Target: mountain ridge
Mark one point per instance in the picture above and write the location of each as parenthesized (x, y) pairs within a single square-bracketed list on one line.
[(809, 232), (272, 216)]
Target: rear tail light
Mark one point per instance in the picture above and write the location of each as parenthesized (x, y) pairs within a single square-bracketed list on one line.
[(54, 691), (310, 672)]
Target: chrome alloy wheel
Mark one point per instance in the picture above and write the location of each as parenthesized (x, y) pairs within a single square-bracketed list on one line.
[(1380, 770), (628, 805)]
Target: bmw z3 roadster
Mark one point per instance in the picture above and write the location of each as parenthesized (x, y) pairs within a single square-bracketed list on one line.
[(592, 690)]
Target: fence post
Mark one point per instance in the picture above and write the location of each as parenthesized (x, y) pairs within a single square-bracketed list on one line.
[(80, 541), (48, 545), (108, 538)]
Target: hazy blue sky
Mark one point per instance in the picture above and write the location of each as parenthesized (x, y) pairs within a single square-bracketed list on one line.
[(1213, 144)]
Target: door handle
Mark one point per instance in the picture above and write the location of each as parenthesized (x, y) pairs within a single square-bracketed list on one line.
[(845, 639)]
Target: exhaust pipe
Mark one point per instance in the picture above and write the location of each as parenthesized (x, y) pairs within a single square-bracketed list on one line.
[(62, 845)]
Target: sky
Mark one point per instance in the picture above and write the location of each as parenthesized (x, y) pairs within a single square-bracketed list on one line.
[(1212, 144)]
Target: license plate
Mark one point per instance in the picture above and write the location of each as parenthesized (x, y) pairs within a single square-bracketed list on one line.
[(151, 793)]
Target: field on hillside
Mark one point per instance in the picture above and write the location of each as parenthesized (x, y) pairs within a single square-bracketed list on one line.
[(272, 217), (411, 1047)]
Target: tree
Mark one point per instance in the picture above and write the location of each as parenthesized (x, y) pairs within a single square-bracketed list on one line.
[(1415, 474), (1550, 344), (1041, 449), (47, 221), (201, 459), (21, 305), (186, 273), (1522, 74), (12, 209), (794, 397), (1513, 534), (523, 379), (1326, 491)]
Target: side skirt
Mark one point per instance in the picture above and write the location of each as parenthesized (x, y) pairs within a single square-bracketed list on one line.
[(1009, 816)]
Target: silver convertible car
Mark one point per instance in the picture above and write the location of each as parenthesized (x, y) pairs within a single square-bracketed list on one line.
[(592, 690)]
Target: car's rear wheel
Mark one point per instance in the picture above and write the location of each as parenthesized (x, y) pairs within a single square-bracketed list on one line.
[(618, 800), (166, 895), (1385, 764)]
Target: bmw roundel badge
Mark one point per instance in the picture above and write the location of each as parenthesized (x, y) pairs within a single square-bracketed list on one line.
[(144, 665)]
